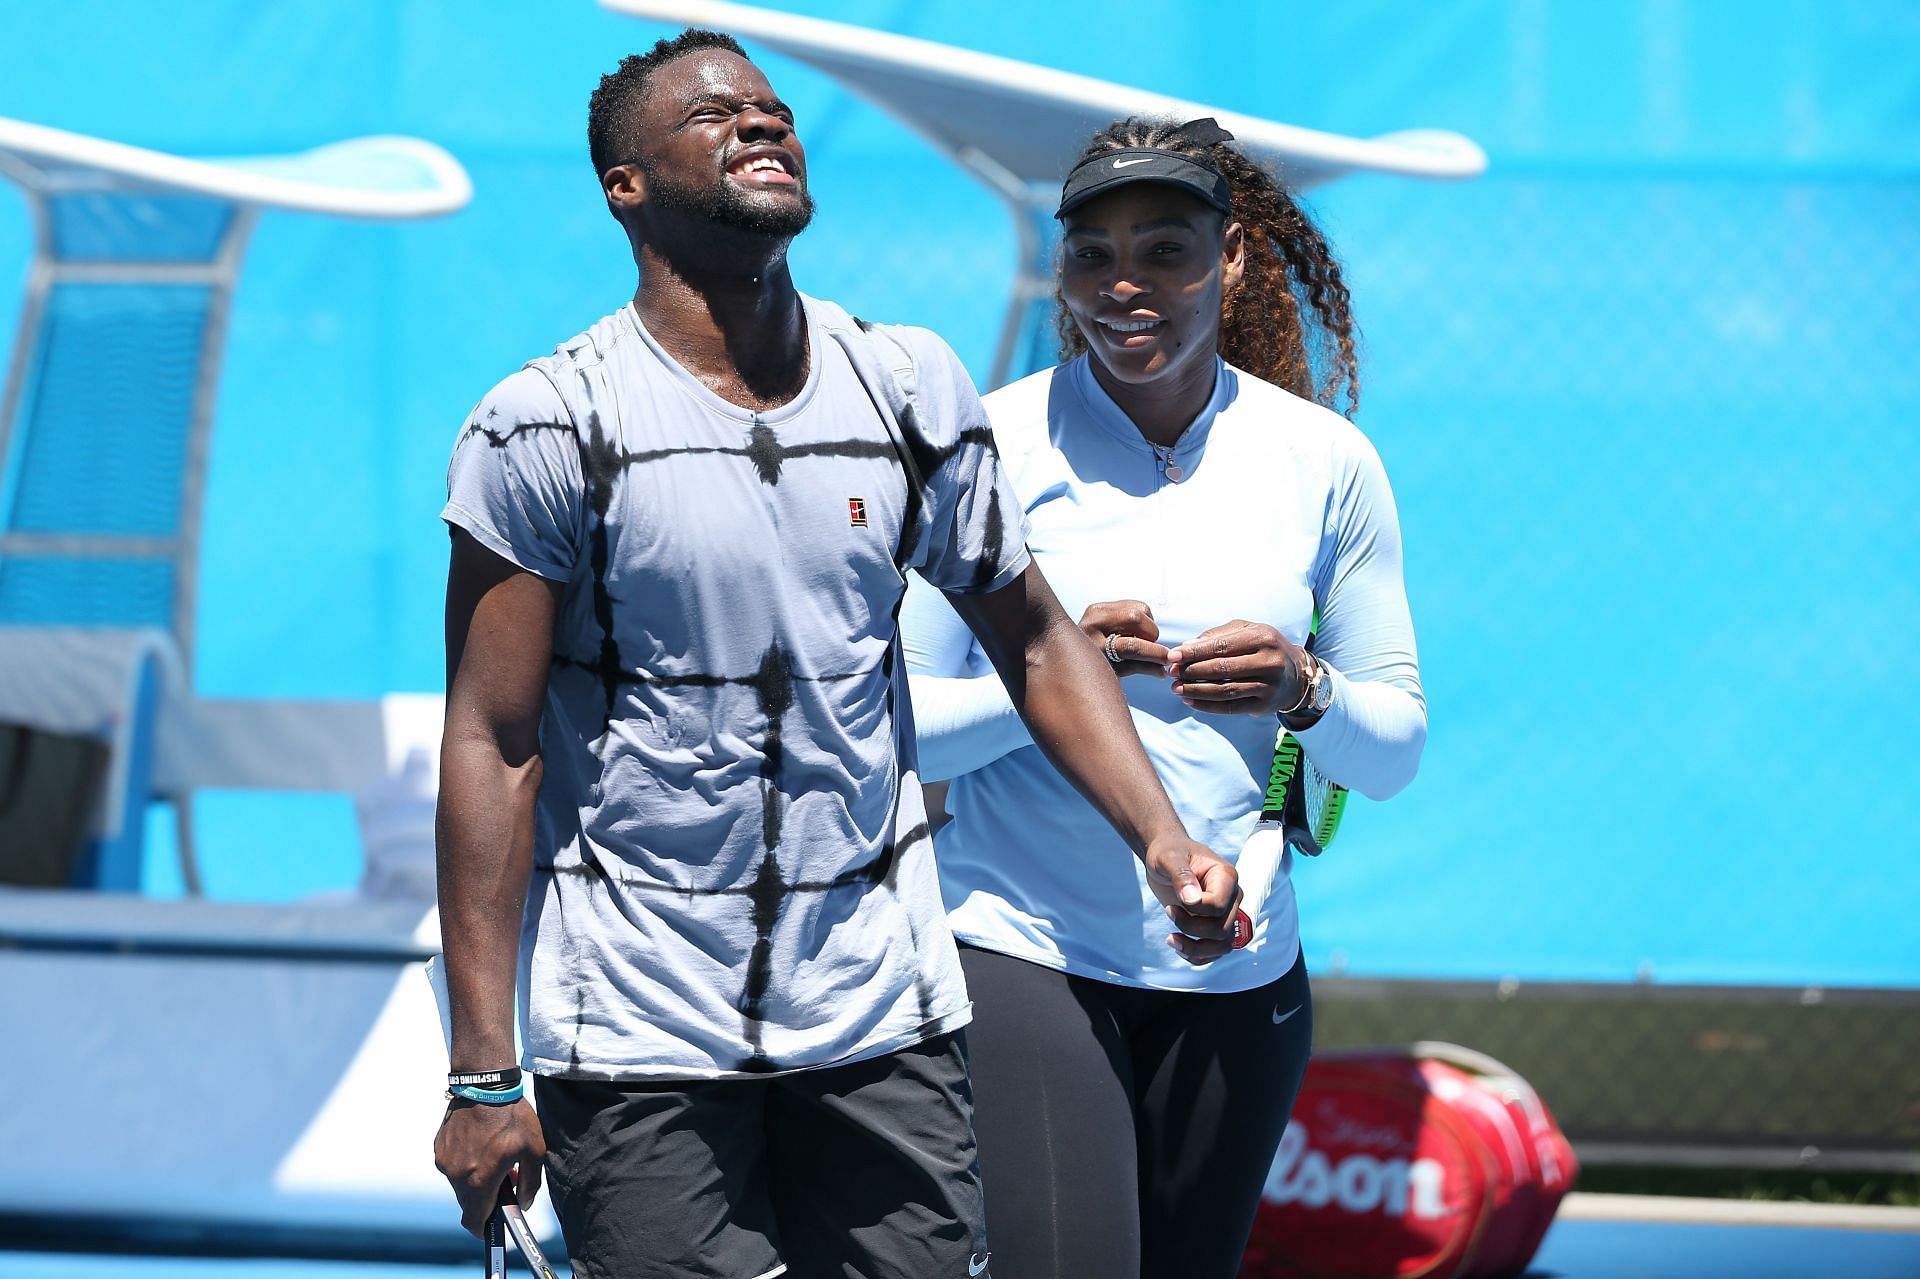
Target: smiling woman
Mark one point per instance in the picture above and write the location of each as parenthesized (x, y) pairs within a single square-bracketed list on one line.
[(1142, 276), (1287, 261), (1188, 487)]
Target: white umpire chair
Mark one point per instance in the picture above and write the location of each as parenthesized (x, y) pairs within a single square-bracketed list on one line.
[(104, 433)]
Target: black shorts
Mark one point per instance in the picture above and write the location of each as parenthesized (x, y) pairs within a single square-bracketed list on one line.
[(866, 1170), (1127, 1132)]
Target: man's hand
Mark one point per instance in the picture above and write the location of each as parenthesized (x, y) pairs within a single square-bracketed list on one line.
[(1239, 668), (1199, 890), (476, 1149), (1130, 627)]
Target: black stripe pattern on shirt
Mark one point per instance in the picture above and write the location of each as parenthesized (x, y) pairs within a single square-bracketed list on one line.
[(603, 463)]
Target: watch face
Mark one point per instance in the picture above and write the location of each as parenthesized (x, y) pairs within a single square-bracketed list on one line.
[(1322, 695)]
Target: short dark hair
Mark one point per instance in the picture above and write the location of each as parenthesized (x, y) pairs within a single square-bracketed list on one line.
[(610, 112)]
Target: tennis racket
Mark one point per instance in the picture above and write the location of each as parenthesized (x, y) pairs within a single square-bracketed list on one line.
[(516, 1222), (506, 1218), (497, 1237), (1301, 810)]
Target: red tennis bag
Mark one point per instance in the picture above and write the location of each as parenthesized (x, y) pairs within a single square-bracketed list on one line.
[(1430, 1160)]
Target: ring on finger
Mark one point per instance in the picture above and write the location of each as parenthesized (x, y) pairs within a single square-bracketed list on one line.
[(1108, 649)]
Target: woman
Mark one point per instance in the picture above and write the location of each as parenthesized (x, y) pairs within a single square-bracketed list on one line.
[(1189, 489)]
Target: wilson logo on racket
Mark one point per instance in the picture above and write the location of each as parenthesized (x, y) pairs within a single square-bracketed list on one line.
[(857, 512), (1286, 763), (1301, 800), (1301, 809)]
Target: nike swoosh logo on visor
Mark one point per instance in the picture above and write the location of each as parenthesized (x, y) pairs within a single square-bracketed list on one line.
[(1121, 164), (1279, 1016)]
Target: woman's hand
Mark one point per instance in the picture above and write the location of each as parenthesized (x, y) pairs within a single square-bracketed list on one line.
[(1125, 634), (1239, 668)]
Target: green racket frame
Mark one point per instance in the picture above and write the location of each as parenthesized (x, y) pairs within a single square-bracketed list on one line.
[(1288, 784)]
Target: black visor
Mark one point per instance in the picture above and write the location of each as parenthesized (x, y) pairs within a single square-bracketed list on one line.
[(1097, 175)]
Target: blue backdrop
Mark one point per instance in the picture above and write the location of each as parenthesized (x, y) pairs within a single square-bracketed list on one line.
[(1646, 393)]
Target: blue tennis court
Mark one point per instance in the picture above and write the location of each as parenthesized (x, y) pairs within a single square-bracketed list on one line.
[(1573, 1250), (1666, 1250)]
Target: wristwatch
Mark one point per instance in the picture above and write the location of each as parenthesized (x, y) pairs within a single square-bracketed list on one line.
[(1318, 695)]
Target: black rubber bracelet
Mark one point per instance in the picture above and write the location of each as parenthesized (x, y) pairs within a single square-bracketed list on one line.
[(487, 1096), (506, 1077)]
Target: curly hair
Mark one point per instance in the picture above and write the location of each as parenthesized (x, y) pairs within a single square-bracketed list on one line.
[(1289, 320), (610, 111)]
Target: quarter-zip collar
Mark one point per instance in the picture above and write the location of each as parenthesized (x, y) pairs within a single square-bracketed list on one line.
[(1112, 419)]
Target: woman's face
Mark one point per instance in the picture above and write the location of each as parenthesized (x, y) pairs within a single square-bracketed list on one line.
[(1144, 270)]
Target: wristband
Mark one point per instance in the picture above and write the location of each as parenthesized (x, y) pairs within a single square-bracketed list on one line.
[(502, 1078), (489, 1096)]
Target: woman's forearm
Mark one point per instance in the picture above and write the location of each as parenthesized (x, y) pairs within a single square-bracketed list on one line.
[(963, 723), (1371, 737)]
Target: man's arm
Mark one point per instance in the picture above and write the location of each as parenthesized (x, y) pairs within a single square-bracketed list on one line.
[(499, 648), (1067, 693)]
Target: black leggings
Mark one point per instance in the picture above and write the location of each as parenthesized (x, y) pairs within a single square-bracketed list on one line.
[(1127, 1132)]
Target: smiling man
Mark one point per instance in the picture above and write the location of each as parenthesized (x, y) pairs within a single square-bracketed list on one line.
[(678, 776)]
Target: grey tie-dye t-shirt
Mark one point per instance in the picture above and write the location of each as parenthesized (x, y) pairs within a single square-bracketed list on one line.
[(732, 869)]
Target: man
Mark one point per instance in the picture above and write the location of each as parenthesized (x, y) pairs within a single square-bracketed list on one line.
[(676, 709)]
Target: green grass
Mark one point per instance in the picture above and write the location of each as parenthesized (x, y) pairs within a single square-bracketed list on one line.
[(1898, 1189)]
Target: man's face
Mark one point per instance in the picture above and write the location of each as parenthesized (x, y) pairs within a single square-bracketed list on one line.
[(717, 143)]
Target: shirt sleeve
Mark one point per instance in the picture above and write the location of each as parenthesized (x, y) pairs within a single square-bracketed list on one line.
[(962, 716), (976, 529), (514, 482), (1372, 735)]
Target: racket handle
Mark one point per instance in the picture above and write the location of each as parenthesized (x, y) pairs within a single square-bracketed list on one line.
[(1258, 863), (497, 1229), (496, 1245)]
